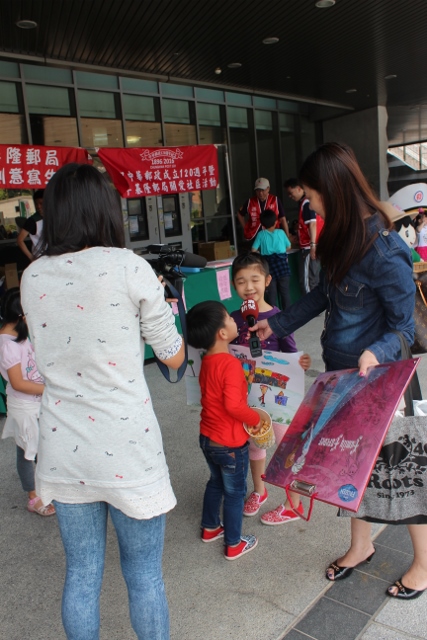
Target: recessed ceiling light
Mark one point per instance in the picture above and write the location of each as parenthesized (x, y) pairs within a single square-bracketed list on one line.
[(234, 65), (351, 91), (26, 24), (288, 77), (270, 40), (218, 70), (390, 77), (324, 4)]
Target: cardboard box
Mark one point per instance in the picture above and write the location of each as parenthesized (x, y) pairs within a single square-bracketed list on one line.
[(10, 273), (215, 250)]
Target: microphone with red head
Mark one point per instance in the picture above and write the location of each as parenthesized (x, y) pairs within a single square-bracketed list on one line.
[(249, 311)]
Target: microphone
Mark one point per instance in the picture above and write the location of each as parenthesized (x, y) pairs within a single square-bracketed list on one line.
[(177, 257), (249, 311)]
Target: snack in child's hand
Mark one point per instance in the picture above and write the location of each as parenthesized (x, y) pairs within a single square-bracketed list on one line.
[(259, 431)]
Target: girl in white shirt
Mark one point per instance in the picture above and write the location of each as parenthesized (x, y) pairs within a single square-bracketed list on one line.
[(24, 388)]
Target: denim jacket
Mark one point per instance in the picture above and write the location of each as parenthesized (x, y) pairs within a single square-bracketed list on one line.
[(375, 297)]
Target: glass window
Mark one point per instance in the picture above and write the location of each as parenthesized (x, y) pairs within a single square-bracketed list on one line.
[(268, 103), (176, 90), (289, 159), (12, 129), (210, 95), (137, 217), (47, 74), (97, 104), (242, 155), (237, 118), (291, 107), (182, 131), (171, 216), (268, 152), (176, 111), (101, 132), (139, 108), (9, 69), (50, 100), (264, 120), (8, 97), (56, 131), (239, 98), (143, 134), (96, 80), (139, 86), (308, 137), (143, 127), (209, 114)]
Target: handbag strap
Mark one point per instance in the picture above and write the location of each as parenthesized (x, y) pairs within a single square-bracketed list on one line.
[(419, 287), (181, 310), (413, 390)]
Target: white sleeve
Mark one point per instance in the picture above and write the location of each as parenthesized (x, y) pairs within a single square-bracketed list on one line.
[(157, 321)]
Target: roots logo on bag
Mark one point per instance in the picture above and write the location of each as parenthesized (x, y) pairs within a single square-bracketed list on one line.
[(407, 458)]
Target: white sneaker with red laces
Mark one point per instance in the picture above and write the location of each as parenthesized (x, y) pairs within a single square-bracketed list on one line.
[(280, 515), (253, 503)]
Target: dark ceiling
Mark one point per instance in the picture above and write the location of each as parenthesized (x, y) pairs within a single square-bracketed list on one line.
[(321, 53)]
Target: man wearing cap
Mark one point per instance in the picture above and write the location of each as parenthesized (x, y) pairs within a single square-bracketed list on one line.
[(250, 212)]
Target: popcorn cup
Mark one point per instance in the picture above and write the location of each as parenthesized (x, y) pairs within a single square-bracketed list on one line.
[(265, 439)]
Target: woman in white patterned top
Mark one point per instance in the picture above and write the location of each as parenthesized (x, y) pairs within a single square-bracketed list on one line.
[(91, 305)]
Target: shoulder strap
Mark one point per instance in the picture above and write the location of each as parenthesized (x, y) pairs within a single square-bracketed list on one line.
[(181, 310)]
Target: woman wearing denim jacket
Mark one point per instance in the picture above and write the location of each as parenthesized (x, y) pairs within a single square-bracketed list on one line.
[(367, 291)]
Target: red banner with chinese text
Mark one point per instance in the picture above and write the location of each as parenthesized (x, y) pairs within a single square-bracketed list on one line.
[(148, 171), (25, 166)]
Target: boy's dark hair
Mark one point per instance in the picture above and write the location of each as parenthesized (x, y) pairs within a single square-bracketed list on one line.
[(81, 209), (204, 320), (11, 312), (291, 183), (247, 260), (38, 195), (268, 218)]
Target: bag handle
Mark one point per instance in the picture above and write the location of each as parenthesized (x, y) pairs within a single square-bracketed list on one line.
[(419, 287), (181, 311), (413, 390)]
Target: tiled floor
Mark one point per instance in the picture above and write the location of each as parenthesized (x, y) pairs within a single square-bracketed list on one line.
[(351, 605)]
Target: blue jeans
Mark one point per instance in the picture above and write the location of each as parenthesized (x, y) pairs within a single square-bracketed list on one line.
[(229, 469), (83, 530)]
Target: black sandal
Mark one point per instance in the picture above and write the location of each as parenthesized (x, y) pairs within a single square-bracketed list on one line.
[(404, 593), (340, 573)]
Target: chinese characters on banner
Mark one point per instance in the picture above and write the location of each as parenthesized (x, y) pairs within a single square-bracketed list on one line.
[(159, 170), (24, 166)]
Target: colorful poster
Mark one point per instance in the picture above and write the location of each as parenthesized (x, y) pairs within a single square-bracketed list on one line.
[(25, 166), (333, 441), (275, 380), (155, 171)]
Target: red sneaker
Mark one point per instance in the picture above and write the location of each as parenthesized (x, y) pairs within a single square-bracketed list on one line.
[(253, 503), (247, 543), (281, 515), (209, 535)]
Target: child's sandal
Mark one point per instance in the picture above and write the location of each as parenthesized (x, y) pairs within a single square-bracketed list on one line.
[(35, 505)]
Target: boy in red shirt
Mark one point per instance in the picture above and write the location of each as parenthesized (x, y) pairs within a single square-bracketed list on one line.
[(223, 439)]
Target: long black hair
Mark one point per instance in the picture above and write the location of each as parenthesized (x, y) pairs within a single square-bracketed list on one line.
[(81, 209), (333, 171), (12, 313)]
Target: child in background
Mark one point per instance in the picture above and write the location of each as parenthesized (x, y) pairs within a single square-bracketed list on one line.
[(24, 390), (223, 439), (420, 224), (273, 244), (250, 278)]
